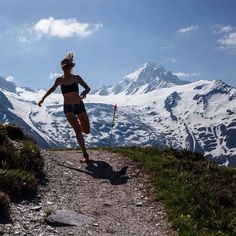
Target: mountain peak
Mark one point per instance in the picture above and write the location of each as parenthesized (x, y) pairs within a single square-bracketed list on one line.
[(7, 85), (146, 78), (152, 65)]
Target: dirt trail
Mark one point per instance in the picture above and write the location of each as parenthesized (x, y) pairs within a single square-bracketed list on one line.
[(111, 190)]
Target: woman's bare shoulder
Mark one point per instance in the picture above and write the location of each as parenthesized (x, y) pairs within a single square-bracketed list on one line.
[(58, 80), (77, 78)]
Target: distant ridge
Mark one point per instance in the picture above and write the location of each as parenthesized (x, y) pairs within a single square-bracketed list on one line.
[(154, 108)]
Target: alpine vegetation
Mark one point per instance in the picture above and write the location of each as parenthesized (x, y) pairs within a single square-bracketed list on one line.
[(199, 195), (21, 167)]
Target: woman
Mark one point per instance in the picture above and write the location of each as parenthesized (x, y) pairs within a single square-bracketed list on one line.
[(73, 105)]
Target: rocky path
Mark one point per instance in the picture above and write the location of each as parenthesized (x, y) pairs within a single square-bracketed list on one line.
[(110, 194)]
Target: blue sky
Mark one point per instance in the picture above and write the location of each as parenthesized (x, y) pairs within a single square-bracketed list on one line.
[(195, 39)]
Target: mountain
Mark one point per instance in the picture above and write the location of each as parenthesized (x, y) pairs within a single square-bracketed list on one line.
[(8, 115), (199, 116), (147, 78), (7, 85)]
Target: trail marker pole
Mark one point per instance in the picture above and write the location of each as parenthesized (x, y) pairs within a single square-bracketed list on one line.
[(113, 122)]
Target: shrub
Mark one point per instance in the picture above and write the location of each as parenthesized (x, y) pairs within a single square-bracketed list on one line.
[(21, 166), (14, 132), (17, 183), (4, 206), (28, 158), (3, 138)]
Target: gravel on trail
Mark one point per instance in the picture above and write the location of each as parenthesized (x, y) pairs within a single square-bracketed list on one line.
[(111, 191)]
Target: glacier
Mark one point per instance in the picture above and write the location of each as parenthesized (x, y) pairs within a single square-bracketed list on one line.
[(154, 108)]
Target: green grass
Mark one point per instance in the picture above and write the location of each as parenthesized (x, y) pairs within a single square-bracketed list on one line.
[(200, 197), (21, 167)]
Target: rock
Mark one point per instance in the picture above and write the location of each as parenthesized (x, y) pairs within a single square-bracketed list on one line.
[(36, 208), (49, 228), (95, 224), (67, 217), (139, 204), (49, 203), (23, 210), (69, 163), (107, 203)]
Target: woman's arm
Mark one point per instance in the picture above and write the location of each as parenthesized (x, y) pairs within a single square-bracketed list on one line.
[(51, 90), (80, 81)]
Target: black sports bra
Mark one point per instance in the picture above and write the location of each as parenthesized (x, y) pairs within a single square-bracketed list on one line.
[(66, 88)]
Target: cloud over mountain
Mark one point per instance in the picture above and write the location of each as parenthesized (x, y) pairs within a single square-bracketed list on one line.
[(186, 75)]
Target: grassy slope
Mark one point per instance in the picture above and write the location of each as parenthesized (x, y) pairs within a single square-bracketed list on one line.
[(21, 166), (200, 197)]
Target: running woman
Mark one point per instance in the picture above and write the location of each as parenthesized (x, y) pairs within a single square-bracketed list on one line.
[(74, 108)]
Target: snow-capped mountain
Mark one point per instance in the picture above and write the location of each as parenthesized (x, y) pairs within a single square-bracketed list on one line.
[(199, 116), (147, 78), (7, 85)]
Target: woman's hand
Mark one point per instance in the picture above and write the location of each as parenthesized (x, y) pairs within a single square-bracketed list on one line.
[(83, 95), (80, 81), (51, 90), (40, 103)]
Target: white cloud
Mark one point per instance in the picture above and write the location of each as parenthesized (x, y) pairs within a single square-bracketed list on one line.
[(54, 75), (64, 28), (188, 29), (228, 40), (186, 75), (10, 78), (218, 29)]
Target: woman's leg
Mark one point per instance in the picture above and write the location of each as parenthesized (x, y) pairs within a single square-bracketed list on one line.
[(77, 128), (84, 122)]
